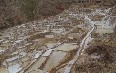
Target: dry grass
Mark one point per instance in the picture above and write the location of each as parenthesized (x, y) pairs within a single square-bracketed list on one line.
[(107, 53), (106, 63)]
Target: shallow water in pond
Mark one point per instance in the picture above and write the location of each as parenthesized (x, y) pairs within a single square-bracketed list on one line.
[(67, 47), (38, 63), (3, 70), (54, 60)]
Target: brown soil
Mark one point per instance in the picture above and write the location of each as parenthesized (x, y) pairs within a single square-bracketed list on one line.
[(106, 63)]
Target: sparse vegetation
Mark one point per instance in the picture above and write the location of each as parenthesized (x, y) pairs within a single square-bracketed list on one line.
[(29, 8), (15, 12), (104, 64), (107, 53)]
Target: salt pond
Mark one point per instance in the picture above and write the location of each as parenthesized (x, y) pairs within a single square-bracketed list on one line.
[(54, 60), (67, 47)]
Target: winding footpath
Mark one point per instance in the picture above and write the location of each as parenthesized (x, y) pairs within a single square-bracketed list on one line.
[(81, 47), (84, 42)]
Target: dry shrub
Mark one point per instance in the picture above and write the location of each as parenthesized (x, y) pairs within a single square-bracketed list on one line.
[(107, 53)]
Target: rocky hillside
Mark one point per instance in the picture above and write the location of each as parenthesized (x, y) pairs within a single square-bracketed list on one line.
[(13, 12)]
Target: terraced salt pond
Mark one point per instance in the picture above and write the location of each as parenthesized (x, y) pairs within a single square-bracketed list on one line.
[(3, 70), (54, 60), (67, 47), (38, 63), (34, 72), (2, 49)]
